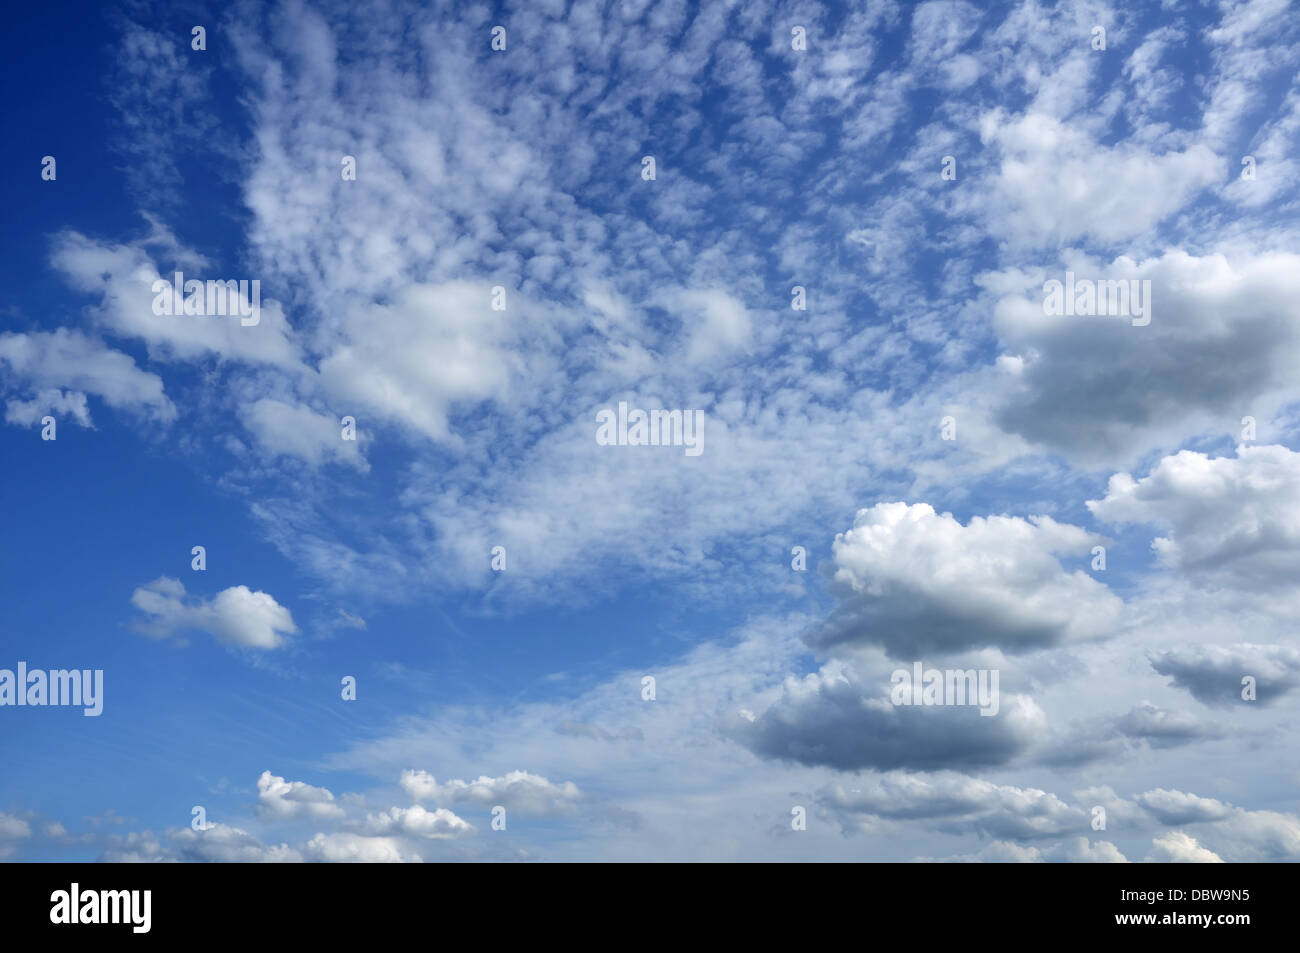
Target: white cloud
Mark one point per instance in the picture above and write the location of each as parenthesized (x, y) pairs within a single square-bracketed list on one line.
[(1233, 521), (1177, 847), (298, 431), (916, 581), (433, 346), (47, 362), (339, 848), (417, 822), (12, 831), (123, 276), (236, 616), (1058, 184), (955, 802), (279, 799), (515, 790), (221, 843)]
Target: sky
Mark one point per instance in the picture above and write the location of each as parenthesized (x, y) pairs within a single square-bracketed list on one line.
[(440, 613)]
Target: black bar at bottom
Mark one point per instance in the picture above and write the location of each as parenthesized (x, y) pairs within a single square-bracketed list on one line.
[(1219, 903)]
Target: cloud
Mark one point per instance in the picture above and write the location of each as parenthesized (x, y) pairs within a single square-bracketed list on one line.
[(48, 362), (417, 822), (384, 365), (916, 581), (1057, 184), (1075, 850), (279, 799), (515, 790), (53, 402), (296, 430), (221, 843), (12, 831), (1175, 807), (717, 324), (1232, 521), (1213, 673), (1224, 337), (1165, 729), (122, 276), (956, 803), (343, 848), (236, 616), (831, 718), (1177, 847)]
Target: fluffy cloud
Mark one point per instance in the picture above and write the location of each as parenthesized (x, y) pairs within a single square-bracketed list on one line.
[(236, 616), (954, 802), (1074, 850), (122, 276), (46, 362), (279, 799), (298, 431), (1213, 673), (916, 581), (832, 718), (1224, 336), (1175, 807), (344, 848), (1232, 521), (12, 831), (1058, 184), (1177, 847), (1164, 729), (221, 843), (384, 363), (515, 790), (417, 822)]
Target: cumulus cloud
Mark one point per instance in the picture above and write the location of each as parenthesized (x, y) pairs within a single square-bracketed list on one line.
[(917, 581), (1165, 729), (221, 843), (279, 799), (956, 803), (515, 790), (1223, 335), (1213, 673), (1231, 520), (1177, 847), (1175, 807), (1073, 850), (12, 831), (417, 822), (832, 718), (236, 616), (345, 848)]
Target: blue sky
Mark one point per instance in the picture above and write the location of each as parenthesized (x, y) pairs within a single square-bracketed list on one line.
[(775, 167)]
